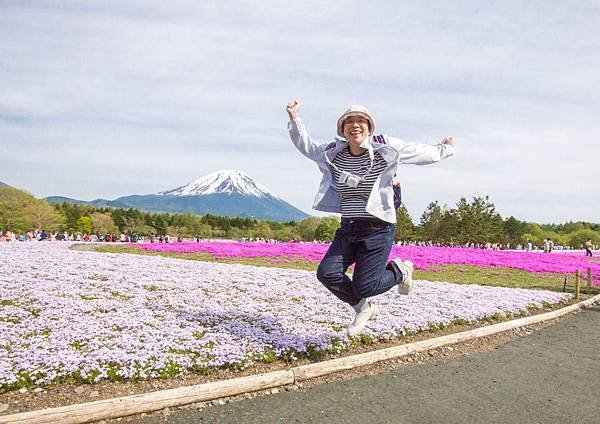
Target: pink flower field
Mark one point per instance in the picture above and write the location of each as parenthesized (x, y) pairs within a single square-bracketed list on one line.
[(423, 257)]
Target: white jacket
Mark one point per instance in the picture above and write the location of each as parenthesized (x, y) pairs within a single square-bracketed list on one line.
[(393, 150)]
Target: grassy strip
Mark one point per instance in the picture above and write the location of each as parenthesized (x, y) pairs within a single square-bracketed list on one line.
[(280, 262), (451, 273), (503, 277)]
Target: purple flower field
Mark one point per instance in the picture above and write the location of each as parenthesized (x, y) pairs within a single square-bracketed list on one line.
[(93, 316), (423, 257)]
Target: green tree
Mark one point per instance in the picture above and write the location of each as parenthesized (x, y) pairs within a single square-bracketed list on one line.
[(13, 204), (217, 222), (514, 230), (160, 224), (285, 234), (72, 213), (327, 228), (204, 231), (478, 221), (84, 225), (571, 227), (578, 238), (449, 225), (43, 216), (234, 233), (308, 227), (405, 229), (177, 229), (536, 233), (103, 223), (263, 230), (431, 222)]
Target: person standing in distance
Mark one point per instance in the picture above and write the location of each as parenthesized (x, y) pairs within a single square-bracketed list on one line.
[(588, 248), (357, 172)]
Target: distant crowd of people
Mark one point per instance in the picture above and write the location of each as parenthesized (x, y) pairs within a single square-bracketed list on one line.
[(43, 235), (430, 243), (489, 246), (271, 240), (547, 245)]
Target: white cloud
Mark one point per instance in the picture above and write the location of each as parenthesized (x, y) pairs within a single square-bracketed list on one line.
[(134, 99)]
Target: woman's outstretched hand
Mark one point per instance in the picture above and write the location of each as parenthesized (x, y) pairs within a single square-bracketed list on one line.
[(449, 140), (293, 109)]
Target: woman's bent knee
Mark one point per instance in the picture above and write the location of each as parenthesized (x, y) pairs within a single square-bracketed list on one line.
[(327, 274)]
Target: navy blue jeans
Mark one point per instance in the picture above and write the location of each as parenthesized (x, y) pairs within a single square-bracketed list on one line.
[(366, 243)]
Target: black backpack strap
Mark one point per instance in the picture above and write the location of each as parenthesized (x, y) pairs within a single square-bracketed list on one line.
[(379, 139), (397, 195)]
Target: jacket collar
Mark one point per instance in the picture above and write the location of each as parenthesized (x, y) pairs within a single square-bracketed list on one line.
[(341, 143), (366, 144)]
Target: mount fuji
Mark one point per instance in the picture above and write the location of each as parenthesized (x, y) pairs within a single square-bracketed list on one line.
[(224, 181), (227, 192)]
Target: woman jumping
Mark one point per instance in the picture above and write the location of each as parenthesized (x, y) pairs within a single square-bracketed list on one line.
[(358, 169)]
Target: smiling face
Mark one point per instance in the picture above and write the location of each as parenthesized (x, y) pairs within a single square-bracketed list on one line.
[(356, 129)]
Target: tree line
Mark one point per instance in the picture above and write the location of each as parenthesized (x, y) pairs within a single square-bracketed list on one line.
[(477, 222), (469, 222)]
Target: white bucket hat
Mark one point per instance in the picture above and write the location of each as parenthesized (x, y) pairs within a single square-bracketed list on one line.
[(355, 110)]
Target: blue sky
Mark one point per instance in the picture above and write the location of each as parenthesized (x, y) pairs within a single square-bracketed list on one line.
[(100, 99)]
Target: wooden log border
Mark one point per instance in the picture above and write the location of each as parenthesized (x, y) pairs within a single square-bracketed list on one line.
[(153, 401)]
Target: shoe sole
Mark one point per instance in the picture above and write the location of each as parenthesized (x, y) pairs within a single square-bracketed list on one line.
[(375, 313), (405, 288)]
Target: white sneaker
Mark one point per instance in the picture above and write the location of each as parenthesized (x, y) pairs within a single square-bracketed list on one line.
[(406, 268), (361, 318)]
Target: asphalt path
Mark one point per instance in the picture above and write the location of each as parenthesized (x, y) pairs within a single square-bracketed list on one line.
[(550, 376)]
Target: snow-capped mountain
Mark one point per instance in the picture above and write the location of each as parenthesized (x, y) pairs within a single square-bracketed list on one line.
[(224, 181), (226, 193)]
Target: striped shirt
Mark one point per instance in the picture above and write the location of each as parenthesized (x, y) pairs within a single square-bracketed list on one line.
[(354, 200)]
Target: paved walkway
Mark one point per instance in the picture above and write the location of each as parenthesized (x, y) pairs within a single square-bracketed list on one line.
[(551, 376)]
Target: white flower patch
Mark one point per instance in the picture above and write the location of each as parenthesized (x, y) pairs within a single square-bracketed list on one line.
[(91, 316)]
